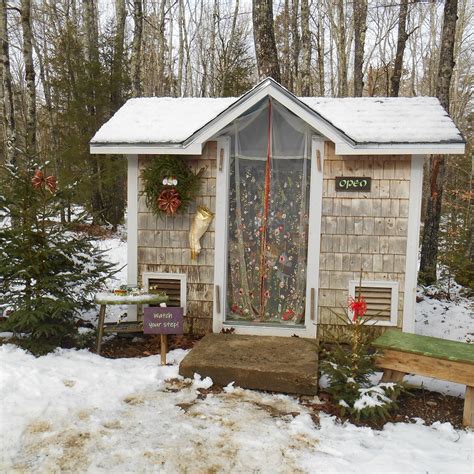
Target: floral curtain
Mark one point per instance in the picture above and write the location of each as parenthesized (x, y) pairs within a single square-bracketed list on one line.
[(268, 217)]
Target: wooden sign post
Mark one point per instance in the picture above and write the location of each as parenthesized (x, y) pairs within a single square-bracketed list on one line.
[(163, 321)]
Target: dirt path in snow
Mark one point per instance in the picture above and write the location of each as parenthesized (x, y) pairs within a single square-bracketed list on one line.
[(174, 431)]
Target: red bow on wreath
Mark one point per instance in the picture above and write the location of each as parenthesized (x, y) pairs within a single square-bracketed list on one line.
[(48, 181), (169, 201)]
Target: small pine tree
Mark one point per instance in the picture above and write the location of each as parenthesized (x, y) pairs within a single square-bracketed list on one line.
[(48, 273), (349, 371)]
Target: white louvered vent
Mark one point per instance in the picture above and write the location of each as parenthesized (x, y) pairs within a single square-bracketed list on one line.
[(381, 298), (172, 284)]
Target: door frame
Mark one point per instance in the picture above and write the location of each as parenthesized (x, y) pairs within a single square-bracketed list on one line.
[(314, 245)]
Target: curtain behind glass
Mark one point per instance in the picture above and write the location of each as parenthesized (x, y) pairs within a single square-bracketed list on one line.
[(267, 250)]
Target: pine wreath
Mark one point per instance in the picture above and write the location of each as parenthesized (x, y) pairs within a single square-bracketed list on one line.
[(170, 185)]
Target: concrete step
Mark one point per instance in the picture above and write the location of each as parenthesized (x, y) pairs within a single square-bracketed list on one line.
[(275, 364)]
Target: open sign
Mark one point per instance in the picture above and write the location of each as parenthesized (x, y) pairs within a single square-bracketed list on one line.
[(352, 183)]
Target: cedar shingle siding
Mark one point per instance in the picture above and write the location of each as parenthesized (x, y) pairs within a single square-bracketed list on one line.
[(367, 229)]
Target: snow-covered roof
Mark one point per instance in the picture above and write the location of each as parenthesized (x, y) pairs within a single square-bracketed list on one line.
[(388, 119), (160, 119), (352, 123)]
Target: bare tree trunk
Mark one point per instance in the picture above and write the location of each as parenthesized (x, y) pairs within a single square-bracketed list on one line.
[(9, 116), (181, 26), (135, 63), (189, 89), (227, 55), (212, 49), (429, 248), (305, 49), (285, 56), (342, 87), (91, 46), (332, 80), (446, 58), (360, 27), (29, 78), (264, 38), (161, 49), (171, 83), (116, 78), (320, 50), (401, 43), (294, 86)]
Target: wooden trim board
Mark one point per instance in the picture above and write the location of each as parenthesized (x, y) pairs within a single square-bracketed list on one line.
[(132, 229), (413, 241)]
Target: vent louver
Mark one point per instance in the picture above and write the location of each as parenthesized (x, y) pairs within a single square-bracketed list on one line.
[(378, 299), (171, 287)]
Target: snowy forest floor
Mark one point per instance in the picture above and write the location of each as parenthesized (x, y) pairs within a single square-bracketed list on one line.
[(76, 411)]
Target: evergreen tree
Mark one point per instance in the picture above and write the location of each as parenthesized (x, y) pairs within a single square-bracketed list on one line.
[(49, 273), (349, 370)]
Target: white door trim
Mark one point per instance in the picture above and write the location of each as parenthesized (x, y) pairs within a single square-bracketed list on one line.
[(413, 241), (221, 230), (132, 229), (314, 239)]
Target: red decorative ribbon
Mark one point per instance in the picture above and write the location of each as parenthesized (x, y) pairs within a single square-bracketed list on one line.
[(169, 201), (358, 307), (49, 182), (266, 207)]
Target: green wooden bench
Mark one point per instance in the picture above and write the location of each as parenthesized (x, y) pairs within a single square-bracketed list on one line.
[(403, 353)]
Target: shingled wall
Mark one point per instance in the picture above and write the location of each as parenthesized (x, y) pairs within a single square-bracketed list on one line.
[(359, 229), (163, 244), (362, 230)]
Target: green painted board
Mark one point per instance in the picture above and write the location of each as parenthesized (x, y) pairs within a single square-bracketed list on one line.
[(427, 346)]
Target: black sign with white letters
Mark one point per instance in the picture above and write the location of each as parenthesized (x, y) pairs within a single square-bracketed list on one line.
[(352, 184)]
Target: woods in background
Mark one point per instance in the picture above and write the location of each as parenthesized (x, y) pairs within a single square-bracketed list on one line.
[(66, 66)]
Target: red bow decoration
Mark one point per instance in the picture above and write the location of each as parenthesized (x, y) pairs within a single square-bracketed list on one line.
[(358, 307), (39, 180), (169, 201)]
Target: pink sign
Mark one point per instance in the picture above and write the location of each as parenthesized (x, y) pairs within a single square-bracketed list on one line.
[(163, 320)]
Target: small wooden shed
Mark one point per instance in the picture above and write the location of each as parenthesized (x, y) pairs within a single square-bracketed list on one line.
[(306, 193)]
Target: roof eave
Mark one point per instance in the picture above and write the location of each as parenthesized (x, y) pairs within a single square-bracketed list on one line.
[(443, 148), (98, 148), (269, 87)]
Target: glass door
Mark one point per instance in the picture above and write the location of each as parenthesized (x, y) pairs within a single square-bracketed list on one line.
[(268, 218)]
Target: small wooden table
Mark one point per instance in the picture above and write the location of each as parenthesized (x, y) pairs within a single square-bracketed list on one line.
[(105, 299), (403, 353)]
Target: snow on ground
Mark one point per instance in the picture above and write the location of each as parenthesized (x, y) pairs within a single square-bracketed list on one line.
[(439, 317), (76, 411), (116, 251)]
